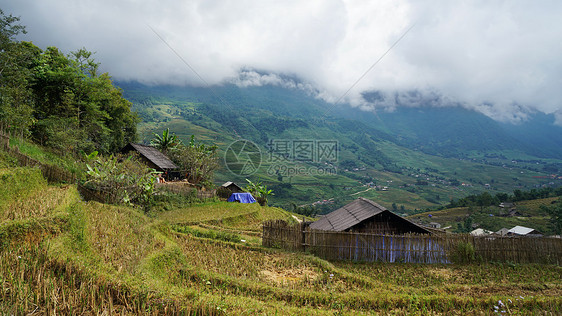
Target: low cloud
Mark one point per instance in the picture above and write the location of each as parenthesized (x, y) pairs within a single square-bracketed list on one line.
[(253, 78), (500, 58)]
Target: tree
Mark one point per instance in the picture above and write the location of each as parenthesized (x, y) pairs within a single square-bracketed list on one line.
[(9, 29), (60, 101), (502, 197), (260, 191), (484, 199), (123, 180), (555, 212), (466, 226), (15, 95), (166, 141), (69, 94), (197, 160)]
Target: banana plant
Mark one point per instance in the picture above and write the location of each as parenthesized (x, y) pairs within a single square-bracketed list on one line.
[(166, 141)]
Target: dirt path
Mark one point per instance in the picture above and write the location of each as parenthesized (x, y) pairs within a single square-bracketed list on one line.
[(361, 191)]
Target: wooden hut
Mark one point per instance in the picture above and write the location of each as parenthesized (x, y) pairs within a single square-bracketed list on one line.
[(153, 158), (232, 187), (227, 188), (523, 231), (366, 216)]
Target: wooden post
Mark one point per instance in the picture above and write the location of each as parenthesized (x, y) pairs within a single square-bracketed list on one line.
[(303, 239)]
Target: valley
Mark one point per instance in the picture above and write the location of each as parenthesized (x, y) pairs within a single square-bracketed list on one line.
[(388, 157)]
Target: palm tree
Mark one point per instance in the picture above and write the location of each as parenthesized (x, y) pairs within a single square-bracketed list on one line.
[(166, 141)]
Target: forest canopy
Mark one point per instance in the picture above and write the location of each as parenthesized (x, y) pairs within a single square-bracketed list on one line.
[(60, 101)]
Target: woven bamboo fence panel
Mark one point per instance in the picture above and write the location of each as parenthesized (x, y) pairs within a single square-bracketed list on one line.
[(93, 195), (280, 234), (412, 248)]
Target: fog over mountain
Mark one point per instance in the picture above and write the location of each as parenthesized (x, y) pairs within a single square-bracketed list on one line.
[(501, 58)]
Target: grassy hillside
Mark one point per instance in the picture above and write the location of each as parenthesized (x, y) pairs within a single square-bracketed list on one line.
[(494, 218), (374, 151), (61, 255)]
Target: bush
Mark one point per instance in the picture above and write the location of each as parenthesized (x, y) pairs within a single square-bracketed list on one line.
[(197, 160), (259, 191), (123, 180), (462, 253)]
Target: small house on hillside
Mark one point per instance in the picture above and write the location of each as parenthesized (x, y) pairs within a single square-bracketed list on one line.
[(481, 232), (523, 231), (366, 216), (434, 225), (507, 205), (153, 158), (502, 232), (232, 187), (227, 189)]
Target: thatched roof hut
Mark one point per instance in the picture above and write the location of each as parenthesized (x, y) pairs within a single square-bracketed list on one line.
[(363, 215), (152, 157)]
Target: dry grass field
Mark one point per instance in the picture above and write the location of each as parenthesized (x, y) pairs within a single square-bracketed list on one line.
[(62, 255)]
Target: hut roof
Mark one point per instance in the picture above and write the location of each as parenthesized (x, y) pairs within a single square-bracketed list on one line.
[(153, 155), (231, 184), (502, 232), (354, 213), (521, 230), (480, 232)]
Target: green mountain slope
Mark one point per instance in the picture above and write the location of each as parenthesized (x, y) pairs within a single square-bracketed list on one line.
[(494, 218), (413, 158)]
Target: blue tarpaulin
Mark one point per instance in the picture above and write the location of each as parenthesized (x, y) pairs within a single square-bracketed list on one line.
[(242, 198)]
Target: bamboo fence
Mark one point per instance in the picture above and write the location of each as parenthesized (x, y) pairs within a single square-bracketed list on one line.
[(93, 195), (52, 173), (412, 248), (280, 234)]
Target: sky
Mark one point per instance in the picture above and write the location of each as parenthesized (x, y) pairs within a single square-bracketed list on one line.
[(501, 58)]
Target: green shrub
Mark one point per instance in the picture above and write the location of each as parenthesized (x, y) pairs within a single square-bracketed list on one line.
[(259, 191), (462, 253), (199, 161), (124, 180)]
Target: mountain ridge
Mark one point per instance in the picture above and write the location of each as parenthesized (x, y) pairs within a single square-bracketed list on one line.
[(374, 147)]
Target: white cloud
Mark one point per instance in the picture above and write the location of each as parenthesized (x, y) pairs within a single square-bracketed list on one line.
[(502, 58)]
